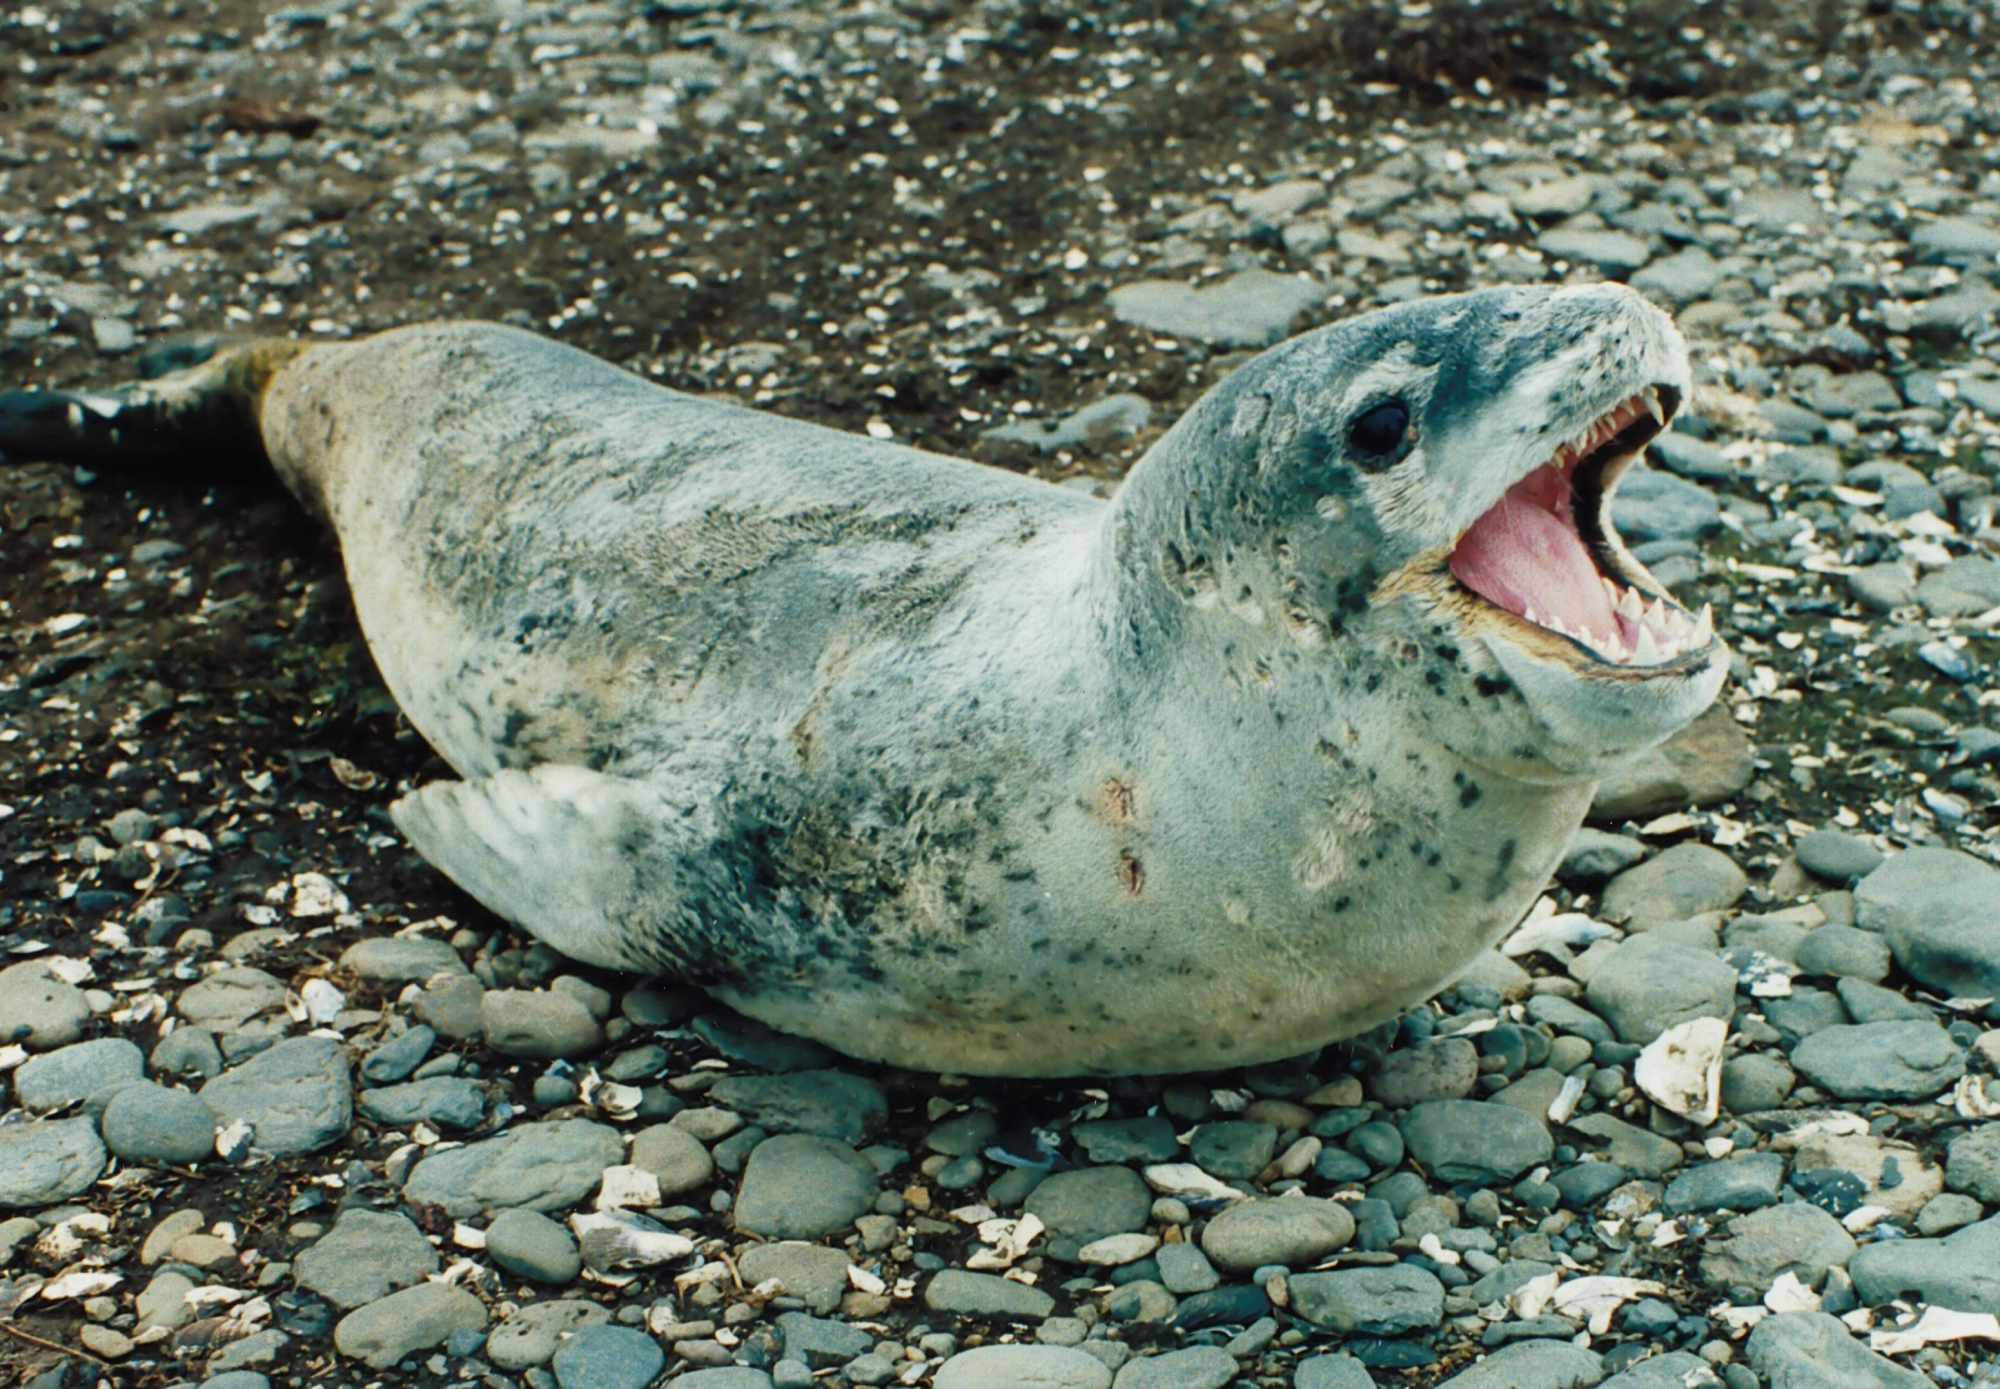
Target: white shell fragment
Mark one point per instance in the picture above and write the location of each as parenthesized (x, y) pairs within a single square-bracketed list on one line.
[(1681, 1069), (615, 1240), (1936, 1324)]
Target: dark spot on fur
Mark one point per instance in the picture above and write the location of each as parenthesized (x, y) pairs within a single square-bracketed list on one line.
[(1503, 863), (1469, 794)]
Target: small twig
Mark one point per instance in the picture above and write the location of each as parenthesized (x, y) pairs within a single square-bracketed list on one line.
[(13, 1330)]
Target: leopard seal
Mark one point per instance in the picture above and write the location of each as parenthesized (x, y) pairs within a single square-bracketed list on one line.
[(953, 769)]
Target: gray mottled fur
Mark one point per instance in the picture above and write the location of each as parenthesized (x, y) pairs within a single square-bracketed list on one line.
[(954, 769)]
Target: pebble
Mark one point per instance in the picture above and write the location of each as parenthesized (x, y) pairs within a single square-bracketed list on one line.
[(1844, 952), (821, 1343), (48, 1160), (1755, 1081), (530, 1336), (1532, 1365), (236, 1379), (674, 1157), (1708, 761), (546, 1166), (1881, 1060), (1475, 1141), (1972, 1162), (1680, 882), (1088, 1204), (1933, 907), (451, 1102), (1200, 1367), (985, 1295), (539, 1024), (530, 1245), (1022, 1367), (831, 1104), (296, 1097), (38, 1009), (383, 1332), (802, 1186), (187, 1051), (1233, 1148), (1437, 1068), (1647, 985), (1838, 856), (1739, 1183), (1146, 1139), (365, 1256), (1332, 1372), (88, 1072), (401, 959), (1960, 1271), (1252, 308), (452, 1005), (1759, 1247), (1810, 1350), (608, 1357), (400, 1055), (1385, 1301), (1185, 1269), (1943, 1214), (812, 1273), (1287, 1230), (229, 998), (1594, 854)]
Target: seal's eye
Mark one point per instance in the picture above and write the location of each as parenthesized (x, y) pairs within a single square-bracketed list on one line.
[(1379, 430)]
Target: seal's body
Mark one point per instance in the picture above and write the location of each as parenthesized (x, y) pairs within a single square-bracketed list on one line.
[(951, 768)]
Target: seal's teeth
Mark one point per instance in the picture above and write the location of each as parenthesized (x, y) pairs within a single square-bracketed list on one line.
[(1528, 613), (1629, 605), (1704, 627), (1610, 589), (1646, 651), (1651, 397), (1656, 614), (1669, 649)]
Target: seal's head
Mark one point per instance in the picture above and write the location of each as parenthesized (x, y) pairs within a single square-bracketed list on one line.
[(1430, 486)]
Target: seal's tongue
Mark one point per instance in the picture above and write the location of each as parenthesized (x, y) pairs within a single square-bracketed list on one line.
[(1526, 556)]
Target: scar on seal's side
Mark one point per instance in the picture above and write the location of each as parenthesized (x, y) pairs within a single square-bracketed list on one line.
[(945, 766)]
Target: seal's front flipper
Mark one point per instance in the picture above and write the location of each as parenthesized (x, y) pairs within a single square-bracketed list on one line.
[(589, 863), (204, 415)]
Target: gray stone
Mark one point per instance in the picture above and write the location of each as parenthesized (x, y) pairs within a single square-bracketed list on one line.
[(1810, 1350), (1437, 1068), (1947, 1212), (729, 1377), (1960, 1271), (530, 1245), (676, 1158), (383, 1332), (1613, 252), (1649, 984), (1382, 1301), (1095, 426), (1674, 1370), (451, 1004), (401, 959), (1532, 1365), (1233, 1148), (396, 1058), (1866, 1002), (1972, 1163), (228, 998), (546, 1166), (236, 1379), (1332, 1372), (1883, 587), (88, 1071), (1956, 241), (821, 1343), (813, 1273), (1741, 1182), (1641, 1152), (1288, 1230), (1475, 1141), (1681, 882), (539, 1024), (1940, 912), (1844, 952), (1022, 1367), (1881, 1060), (802, 1186), (1148, 1139), (448, 1101), (1708, 761), (187, 1051), (1765, 1244), (1088, 1204), (152, 1123), (1201, 1367), (296, 1097), (531, 1335), (1252, 308), (1754, 1082), (48, 1160), (38, 1009), (608, 1357), (831, 1104), (365, 1256), (985, 1295), (1679, 279), (1653, 505), (1593, 854), (1838, 855), (1185, 1269)]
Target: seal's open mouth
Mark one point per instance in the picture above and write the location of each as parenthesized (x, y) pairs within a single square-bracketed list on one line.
[(1546, 551)]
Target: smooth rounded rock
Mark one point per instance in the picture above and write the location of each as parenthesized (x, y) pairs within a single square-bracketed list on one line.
[(1382, 1301), (90, 1072), (1960, 1271), (529, 1244), (297, 1097), (451, 1102), (365, 1256), (38, 1009), (384, 1331), (546, 1167), (1288, 1230), (1972, 1163), (401, 959), (1332, 1372), (1089, 1203), (1765, 1244), (1022, 1367), (539, 1024), (675, 1158), (155, 1123), (1532, 1365), (985, 1295), (1678, 883), (1475, 1141), (48, 1160), (1881, 1060), (1755, 1082), (1939, 910), (1199, 1367), (531, 1335), (813, 1273), (1844, 952), (1810, 1350), (1649, 984), (228, 998), (802, 1186), (1838, 856), (832, 1104), (608, 1357)]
